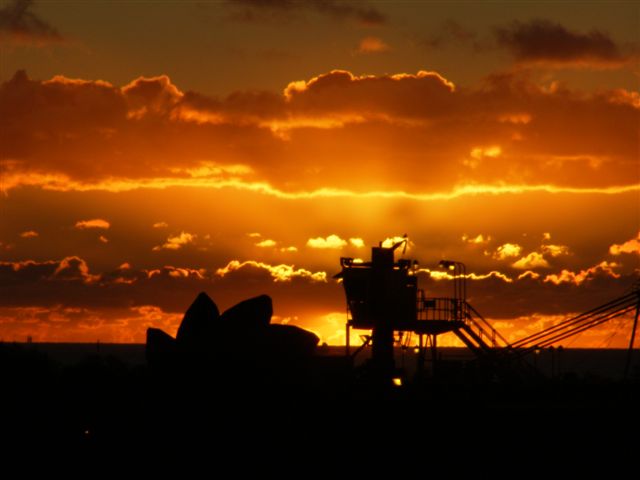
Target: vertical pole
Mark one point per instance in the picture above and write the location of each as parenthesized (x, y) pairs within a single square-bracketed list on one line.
[(382, 350), (434, 354), (464, 291), (633, 336), (421, 354), (347, 341), (454, 303)]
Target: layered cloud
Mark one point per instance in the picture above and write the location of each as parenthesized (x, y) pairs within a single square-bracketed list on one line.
[(71, 282), (29, 271), (279, 273), (154, 135), (72, 285), (577, 278)]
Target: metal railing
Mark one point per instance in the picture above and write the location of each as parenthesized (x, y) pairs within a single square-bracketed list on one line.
[(455, 309)]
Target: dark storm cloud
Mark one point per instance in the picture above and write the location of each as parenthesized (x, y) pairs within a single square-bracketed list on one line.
[(18, 23), (357, 11), (547, 42)]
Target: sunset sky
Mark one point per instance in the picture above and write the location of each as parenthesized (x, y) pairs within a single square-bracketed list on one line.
[(154, 149)]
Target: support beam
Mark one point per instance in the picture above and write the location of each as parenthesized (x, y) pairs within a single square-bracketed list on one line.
[(421, 355), (347, 341), (434, 354), (631, 340)]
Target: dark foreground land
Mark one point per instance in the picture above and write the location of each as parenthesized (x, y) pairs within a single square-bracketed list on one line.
[(97, 398)]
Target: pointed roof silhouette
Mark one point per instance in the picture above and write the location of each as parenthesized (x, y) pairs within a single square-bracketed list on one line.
[(199, 320), (251, 313)]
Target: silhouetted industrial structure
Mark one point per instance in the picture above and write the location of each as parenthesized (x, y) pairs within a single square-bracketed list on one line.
[(383, 297)]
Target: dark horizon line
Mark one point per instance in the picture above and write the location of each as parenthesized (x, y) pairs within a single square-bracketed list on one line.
[(98, 342)]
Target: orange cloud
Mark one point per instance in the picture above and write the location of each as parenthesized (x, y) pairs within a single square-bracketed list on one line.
[(555, 250), (486, 152), (479, 154), (176, 272), (185, 272), (356, 242), (477, 240), (29, 234), (94, 223), (515, 118), (385, 93), (25, 264), (507, 250), (630, 246), (566, 276), (176, 242), (154, 95), (74, 268), (216, 170), (533, 260), (332, 241), (625, 97), (266, 243), (491, 274), (103, 239), (279, 273), (63, 183), (160, 225), (529, 274), (444, 275), (325, 122), (62, 81), (391, 241), (372, 45)]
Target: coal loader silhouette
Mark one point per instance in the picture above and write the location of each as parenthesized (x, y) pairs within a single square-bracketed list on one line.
[(383, 299)]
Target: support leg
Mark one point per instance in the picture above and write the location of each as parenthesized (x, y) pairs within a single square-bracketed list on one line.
[(347, 342), (434, 354)]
